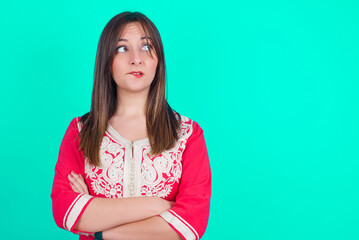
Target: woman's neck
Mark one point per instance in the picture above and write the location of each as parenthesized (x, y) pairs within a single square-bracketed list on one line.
[(131, 104)]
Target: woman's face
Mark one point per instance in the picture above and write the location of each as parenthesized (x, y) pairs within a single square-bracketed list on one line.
[(133, 55)]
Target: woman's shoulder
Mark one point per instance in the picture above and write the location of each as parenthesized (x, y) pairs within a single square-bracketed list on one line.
[(75, 124), (189, 127)]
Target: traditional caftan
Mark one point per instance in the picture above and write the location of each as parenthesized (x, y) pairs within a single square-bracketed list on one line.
[(181, 174)]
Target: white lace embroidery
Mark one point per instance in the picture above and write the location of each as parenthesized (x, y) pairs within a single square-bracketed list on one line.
[(107, 179), (158, 173)]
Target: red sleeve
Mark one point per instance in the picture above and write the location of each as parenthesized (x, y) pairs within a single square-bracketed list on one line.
[(189, 215), (67, 205)]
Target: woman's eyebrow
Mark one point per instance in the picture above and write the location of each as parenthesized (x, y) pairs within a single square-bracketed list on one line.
[(123, 39)]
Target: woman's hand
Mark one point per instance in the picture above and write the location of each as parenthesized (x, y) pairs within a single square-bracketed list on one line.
[(164, 204), (77, 183)]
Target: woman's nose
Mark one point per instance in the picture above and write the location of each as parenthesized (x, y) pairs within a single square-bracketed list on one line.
[(136, 58)]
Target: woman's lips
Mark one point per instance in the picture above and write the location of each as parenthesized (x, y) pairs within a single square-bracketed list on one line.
[(137, 74)]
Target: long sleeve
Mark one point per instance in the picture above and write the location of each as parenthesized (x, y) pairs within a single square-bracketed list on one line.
[(190, 213), (67, 205)]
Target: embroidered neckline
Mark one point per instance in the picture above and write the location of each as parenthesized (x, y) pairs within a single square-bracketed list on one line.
[(112, 131)]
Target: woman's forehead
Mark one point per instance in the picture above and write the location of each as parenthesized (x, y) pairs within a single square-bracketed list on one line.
[(134, 28)]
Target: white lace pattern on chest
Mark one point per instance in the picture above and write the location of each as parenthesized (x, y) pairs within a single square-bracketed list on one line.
[(158, 173), (107, 179)]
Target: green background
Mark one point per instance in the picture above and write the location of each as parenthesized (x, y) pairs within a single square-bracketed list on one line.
[(273, 84)]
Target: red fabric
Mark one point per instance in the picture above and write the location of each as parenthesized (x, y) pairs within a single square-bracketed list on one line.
[(193, 199), (69, 159), (185, 178)]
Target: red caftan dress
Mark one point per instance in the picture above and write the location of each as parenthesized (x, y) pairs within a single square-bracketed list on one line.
[(181, 174)]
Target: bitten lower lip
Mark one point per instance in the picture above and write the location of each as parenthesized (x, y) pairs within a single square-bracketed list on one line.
[(137, 75)]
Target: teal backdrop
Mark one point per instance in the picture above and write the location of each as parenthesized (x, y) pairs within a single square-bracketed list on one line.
[(273, 84)]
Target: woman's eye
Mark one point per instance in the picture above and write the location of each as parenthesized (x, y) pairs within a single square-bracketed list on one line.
[(121, 49), (147, 47)]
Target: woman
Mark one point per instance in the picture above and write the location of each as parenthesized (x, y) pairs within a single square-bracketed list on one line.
[(132, 167)]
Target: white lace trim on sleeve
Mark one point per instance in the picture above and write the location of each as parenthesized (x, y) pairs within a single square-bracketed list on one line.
[(188, 232), (74, 210)]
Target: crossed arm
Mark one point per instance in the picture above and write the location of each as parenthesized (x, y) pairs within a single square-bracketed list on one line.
[(133, 218), (126, 218)]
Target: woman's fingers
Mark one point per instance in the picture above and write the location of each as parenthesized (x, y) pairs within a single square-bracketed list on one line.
[(73, 183), (74, 188), (83, 184), (78, 183)]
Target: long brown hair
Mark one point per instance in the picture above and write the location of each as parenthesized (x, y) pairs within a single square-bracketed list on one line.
[(161, 121)]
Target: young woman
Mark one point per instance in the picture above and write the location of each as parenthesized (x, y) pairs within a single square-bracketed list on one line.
[(132, 168)]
